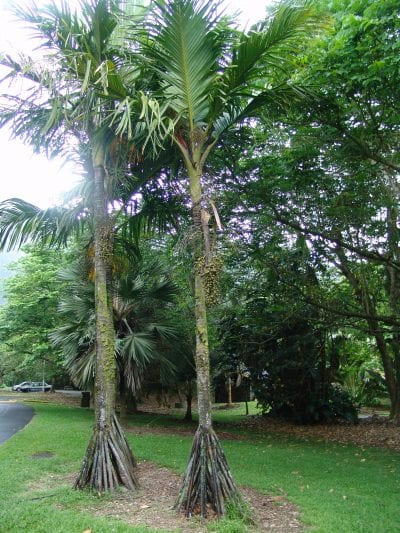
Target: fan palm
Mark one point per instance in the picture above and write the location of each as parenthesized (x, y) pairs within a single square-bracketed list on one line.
[(210, 79), (138, 296), (69, 101)]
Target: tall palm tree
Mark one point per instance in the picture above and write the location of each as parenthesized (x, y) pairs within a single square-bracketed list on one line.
[(211, 78), (69, 101)]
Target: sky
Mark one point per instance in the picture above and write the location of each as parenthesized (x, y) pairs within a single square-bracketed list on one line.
[(33, 177)]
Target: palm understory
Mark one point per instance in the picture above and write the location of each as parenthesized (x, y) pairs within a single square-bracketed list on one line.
[(139, 294), (210, 78)]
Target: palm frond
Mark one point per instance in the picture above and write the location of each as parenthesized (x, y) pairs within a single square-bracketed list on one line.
[(139, 347), (271, 101), (82, 369), (184, 55), (271, 44), (163, 331), (22, 222)]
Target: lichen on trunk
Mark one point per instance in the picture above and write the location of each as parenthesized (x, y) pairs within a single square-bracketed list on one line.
[(108, 460), (207, 483)]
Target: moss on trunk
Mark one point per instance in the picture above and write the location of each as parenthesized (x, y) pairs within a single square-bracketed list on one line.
[(108, 461), (207, 483)]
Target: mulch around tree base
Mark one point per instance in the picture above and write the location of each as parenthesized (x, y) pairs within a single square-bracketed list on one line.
[(152, 505), (159, 488)]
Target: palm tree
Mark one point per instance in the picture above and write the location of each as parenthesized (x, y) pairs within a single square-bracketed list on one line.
[(211, 78), (142, 335), (70, 100)]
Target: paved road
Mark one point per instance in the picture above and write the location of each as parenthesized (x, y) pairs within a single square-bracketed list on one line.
[(13, 417)]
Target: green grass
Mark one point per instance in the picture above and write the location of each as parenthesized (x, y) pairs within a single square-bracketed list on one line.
[(338, 488), (64, 432)]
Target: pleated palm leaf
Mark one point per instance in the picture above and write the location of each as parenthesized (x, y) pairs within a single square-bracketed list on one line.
[(74, 97), (139, 333), (212, 78)]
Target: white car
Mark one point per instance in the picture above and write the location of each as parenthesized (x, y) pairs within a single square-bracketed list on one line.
[(32, 386)]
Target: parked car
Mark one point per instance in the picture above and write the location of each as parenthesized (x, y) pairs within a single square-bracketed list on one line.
[(32, 386)]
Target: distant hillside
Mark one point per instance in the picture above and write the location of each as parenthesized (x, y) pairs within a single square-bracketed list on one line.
[(5, 259)]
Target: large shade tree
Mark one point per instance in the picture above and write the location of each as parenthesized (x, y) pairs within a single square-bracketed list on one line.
[(336, 166), (27, 315), (211, 78), (70, 101)]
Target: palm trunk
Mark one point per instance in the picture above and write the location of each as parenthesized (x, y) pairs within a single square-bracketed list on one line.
[(207, 483), (108, 461)]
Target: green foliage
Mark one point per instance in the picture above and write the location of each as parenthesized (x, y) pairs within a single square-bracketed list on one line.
[(365, 381), (288, 380), (328, 173), (141, 290), (29, 315), (211, 77), (285, 346)]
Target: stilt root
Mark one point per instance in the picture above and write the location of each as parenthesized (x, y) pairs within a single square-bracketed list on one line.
[(108, 461), (207, 484)]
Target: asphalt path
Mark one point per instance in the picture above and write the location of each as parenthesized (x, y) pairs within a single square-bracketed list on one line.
[(13, 417)]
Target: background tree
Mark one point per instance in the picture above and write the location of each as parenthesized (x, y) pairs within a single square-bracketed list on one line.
[(354, 222), (142, 336), (28, 316)]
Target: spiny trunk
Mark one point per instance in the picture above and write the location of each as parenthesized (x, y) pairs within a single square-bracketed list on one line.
[(207, 483), (108, 460)]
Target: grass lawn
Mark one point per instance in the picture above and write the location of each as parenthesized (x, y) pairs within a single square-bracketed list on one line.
[(338, 488)]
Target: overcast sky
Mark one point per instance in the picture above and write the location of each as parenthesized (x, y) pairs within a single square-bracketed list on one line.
[(32, 177)]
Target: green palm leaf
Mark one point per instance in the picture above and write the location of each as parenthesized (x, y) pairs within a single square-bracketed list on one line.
[(139, 347), (269, 46), (185, 55), (22, 222)]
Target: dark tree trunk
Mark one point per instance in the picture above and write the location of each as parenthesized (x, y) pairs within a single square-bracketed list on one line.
[(108, 461), (229, 389), (393, 290), (207, 483), (189, 398), (131, 402), (123, 408)]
